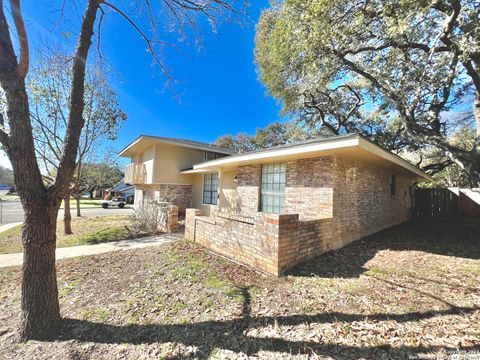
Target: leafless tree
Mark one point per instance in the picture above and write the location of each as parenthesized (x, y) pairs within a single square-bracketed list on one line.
[(48, 89), (40, 306)]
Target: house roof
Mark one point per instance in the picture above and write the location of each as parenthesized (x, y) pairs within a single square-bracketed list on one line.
[(128, 189), (120, 186), (127, 151), (354, 146)]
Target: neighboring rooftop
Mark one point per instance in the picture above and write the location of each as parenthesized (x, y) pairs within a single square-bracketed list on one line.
[(180, 142)]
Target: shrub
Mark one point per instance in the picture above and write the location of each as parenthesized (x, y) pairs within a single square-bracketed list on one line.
[(154, 217)]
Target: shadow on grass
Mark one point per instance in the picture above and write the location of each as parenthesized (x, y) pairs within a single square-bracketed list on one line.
[(459, 238), (209, 336)]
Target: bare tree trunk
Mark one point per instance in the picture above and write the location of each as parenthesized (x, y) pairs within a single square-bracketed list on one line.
[(79, 214), (40, 308), (67, 216)]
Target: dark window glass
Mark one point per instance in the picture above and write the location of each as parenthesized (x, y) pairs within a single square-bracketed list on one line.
[(392, 185), (210, 189)]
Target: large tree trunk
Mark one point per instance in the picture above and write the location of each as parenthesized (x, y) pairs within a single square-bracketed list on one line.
[(476, 149), (79, 214), (67, 216), (40, 309)]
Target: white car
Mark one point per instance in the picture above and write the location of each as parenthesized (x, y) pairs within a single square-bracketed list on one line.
[(120, 202)]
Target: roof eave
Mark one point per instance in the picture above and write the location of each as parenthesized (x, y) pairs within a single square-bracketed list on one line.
[(124, 151), (273, 153), (303, 149)]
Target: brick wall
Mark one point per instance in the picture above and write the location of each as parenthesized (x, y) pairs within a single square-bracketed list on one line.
[(251, 241), (362, 203), (309, 188), (248, 182), (177, 194), (300, 240), (271, 243), (329, 202)]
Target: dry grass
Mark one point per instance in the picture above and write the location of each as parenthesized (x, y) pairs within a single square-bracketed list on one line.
[(411, 291), (86, 230)]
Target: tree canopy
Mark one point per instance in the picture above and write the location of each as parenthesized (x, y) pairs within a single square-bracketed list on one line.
[(274, 134), (390, 69)]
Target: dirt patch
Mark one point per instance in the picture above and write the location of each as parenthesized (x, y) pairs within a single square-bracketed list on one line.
[(410, 291)]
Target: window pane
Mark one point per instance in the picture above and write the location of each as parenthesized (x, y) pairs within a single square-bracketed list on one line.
[(273, 187), (210, 188)]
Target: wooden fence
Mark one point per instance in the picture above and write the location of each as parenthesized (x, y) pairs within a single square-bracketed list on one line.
[(436, 204)]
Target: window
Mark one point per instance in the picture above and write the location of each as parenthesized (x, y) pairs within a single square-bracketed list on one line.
[(210, 189), (208, 155), (148, 196), (273, 188), (392, 185)]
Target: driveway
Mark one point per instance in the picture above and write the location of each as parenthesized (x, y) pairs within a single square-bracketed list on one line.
[(12, 212)]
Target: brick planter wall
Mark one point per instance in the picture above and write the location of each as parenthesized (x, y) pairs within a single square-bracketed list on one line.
[(253, 242), (302, 240), (271, 243)]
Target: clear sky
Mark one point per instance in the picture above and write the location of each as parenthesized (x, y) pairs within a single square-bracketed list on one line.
[(217, 90)]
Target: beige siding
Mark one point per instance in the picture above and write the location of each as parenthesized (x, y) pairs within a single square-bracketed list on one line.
[(149, 162), (197, 182), (229, 200), (171, 159)]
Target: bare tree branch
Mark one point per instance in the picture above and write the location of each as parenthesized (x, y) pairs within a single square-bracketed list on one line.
[(150, 42), (22, 37)]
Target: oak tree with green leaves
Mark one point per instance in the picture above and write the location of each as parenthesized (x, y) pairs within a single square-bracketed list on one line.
[(393, 66), (275, 134)]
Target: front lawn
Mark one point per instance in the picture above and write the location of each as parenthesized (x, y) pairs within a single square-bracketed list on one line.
[(408, 292), (84, 203), (86, 230)]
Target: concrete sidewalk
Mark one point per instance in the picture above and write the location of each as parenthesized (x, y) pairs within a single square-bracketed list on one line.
[(9, 226), (83, 250)]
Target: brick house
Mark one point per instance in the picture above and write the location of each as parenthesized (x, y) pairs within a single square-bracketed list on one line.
[(274, 208)]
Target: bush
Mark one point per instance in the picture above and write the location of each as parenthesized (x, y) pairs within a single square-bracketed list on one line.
[(152, 217)]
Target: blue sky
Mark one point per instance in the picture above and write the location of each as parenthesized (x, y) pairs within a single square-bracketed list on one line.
[(216, 90)]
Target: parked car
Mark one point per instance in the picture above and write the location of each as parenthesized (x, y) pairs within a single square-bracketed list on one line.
[(118, 201)]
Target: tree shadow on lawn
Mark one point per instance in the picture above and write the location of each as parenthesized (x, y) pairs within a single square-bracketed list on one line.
[(456, 238), (209, 336)]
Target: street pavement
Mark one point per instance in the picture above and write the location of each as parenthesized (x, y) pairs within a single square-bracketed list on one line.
[(12, 212)]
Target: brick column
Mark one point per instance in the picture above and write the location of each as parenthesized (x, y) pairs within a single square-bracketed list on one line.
[(172, 219), (190, 223)]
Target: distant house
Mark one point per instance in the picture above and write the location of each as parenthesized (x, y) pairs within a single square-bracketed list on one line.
[(125, 190), (273, 208)]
